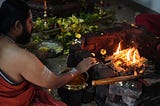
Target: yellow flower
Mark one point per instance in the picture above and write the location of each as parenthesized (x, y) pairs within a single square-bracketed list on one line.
[(43, 49), (103, 51), (78, 36)]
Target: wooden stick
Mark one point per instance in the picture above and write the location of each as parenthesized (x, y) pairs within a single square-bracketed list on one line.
[(113, 80)]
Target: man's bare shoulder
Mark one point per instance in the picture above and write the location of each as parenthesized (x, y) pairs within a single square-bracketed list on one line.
[(12, 52)]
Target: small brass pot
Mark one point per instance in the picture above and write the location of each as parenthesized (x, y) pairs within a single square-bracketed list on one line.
[(78, 83)]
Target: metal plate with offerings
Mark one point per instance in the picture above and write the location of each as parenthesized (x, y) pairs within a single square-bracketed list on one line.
[(49, 48)]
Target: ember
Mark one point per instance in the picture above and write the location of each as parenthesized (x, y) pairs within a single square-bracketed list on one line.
[(127, 61)]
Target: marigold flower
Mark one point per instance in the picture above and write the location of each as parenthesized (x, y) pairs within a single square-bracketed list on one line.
[(78, 36), (103, 51)]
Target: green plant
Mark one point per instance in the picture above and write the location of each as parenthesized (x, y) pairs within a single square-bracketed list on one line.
[(101, 15), (41, 24), (70, 27)]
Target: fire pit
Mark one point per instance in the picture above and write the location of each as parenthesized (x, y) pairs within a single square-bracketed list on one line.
[(126, 63), (125, 69)]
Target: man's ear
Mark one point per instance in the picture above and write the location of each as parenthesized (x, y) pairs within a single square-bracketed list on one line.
[(18, 26)]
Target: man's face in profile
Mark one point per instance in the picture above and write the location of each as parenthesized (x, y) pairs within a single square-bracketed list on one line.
[(24, 38)]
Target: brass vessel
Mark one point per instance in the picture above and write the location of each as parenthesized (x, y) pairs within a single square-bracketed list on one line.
[(78, 83)]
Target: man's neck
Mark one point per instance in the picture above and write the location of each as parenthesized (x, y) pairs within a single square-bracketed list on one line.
[(8, 37)]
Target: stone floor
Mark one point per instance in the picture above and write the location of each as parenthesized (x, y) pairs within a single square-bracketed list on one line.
[(125, 11)]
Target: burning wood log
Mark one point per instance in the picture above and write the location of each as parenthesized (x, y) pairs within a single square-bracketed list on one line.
[(113, 80), (125, 78)]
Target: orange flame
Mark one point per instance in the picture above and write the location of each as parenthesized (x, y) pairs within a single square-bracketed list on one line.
[(135, 73), (127, 58), (118, 49), (128, 55)]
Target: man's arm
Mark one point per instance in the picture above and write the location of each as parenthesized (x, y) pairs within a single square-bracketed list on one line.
[(38, 74)]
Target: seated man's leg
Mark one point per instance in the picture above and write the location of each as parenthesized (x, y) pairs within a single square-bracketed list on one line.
[(150, 21)]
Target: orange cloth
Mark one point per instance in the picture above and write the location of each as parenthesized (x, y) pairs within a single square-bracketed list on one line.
[(25, 94), (42, 98)]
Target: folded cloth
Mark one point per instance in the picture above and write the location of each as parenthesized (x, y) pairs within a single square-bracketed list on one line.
[(149, 21)]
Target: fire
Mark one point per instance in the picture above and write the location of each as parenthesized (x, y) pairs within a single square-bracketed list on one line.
[(128, 60), (118, 49)]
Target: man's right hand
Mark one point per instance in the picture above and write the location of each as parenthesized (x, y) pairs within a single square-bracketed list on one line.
[(85, 64)]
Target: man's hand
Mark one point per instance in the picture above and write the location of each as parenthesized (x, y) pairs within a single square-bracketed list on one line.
[(85, 64)]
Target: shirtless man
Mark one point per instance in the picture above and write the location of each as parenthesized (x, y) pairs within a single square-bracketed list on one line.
[(22, 74)]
